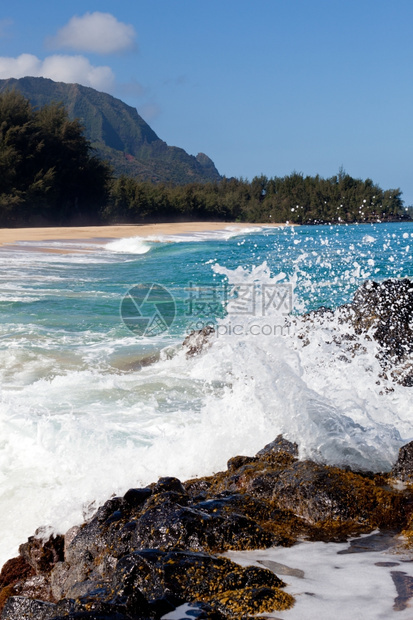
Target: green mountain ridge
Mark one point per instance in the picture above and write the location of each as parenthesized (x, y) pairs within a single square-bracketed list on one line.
[(118, 133)]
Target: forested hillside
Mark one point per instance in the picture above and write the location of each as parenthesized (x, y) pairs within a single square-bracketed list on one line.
[(118, 133)]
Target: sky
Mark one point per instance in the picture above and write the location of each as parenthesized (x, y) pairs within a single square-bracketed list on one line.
[(261, 86)]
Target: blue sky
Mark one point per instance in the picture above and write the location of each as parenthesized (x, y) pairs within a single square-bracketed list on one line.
[(261, 86)]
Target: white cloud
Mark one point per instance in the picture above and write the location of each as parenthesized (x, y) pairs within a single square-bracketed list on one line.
[(72, 69), (95, 32)]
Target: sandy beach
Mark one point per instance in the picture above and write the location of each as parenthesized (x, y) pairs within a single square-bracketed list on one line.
[(12, 235)]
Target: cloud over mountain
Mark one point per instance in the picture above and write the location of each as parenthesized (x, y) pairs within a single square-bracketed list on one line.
[(60, 68)]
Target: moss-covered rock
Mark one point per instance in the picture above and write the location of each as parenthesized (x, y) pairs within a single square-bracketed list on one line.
[(186, 576), (143, 554)]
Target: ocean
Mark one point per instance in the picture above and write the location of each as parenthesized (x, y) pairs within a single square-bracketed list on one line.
[(98, 395)]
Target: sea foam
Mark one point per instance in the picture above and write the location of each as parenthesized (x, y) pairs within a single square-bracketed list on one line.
[(82, 417)]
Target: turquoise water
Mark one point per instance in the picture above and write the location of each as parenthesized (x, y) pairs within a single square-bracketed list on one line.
[(88, 407)]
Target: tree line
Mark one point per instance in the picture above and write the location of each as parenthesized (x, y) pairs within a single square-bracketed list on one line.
[(50, 175), (293, 198)]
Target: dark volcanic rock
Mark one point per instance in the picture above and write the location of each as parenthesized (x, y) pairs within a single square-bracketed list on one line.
[(321, 493), (385, 311), (381, 311), (185, 576), (403, 468), (136, 497), (42, 555), (279, 445), (22, 608), (169, 523), (146, 553), (387, 307)]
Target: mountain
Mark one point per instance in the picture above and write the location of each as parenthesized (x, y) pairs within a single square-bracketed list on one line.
[(118, 133)]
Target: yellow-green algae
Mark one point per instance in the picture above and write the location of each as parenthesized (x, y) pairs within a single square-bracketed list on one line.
[(201, 584)]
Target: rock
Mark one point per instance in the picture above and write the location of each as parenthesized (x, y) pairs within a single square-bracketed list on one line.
[(385, 311), (12, 577), (382, 311), (69, 536), (307, 498), (403, 468), (387, 308), (93, 615), (404, 587), (188, 576), (279, 445), (173, 521), (136, 497), (15, 570), (42, 555), (18, 578), (22, 608), (321, 493), (238, 461), (168, 484), (198, 340), (154, 549)]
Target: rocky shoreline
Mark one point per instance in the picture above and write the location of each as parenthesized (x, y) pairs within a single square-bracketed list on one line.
[(146, 553)]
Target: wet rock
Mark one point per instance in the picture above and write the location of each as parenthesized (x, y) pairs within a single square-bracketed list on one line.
[(29, 574), (187, 576), (169, 484), (403, 468), (136, 497), (385, 311), (13, 575), (41, 554), (387, 308), (321, 493), (279, 445), (378, 541), (404, 587), (198, 486), (202, 611), (92, 615), (95, 538), (15, 570), (238, 461), (282, 569), (37, 587), (22, 608), (105, 603), (149, 583), (144, 554), (69, 536), (169, 522), (382, 311), (198, 340), (308, 498)]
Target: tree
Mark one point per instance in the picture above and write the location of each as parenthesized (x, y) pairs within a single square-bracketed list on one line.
[(47, 170)]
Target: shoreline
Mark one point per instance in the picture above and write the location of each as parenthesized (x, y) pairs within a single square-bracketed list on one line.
[(10, 236), (216, 544)]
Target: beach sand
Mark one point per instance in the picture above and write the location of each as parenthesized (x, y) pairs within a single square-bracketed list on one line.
[(13, 235)]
